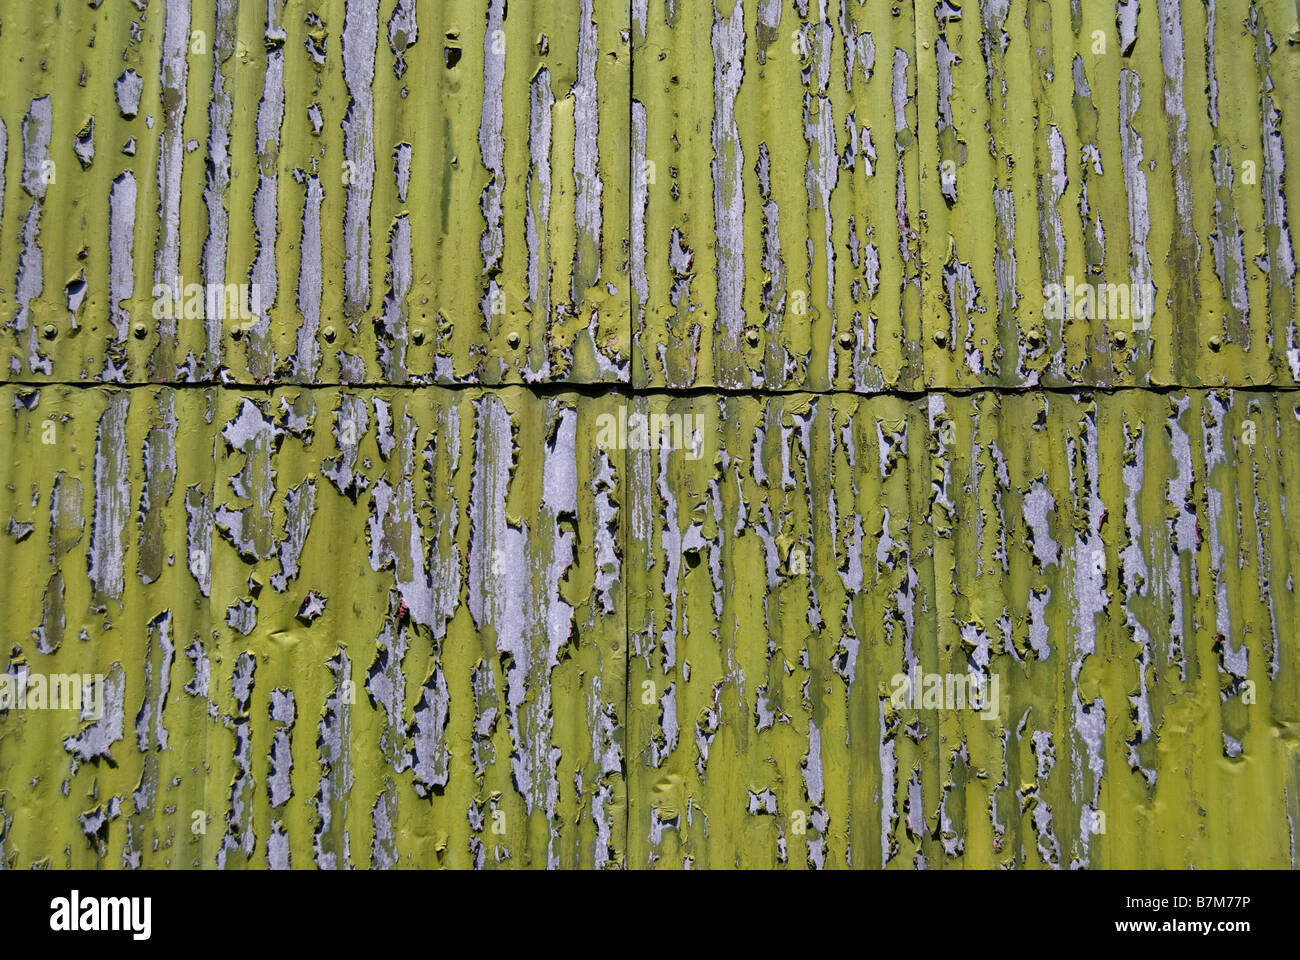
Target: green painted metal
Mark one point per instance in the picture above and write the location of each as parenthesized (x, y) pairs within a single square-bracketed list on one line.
[(381, 563), (1114, 566), (1125, 144), (336, 162), (336, 628)]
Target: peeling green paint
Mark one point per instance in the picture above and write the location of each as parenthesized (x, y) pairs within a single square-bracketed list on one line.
[(1120, 563), (289, 556), (337, 337), (347, 184)]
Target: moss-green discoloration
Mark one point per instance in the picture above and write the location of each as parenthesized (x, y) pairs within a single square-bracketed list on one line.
[(1122, 146)]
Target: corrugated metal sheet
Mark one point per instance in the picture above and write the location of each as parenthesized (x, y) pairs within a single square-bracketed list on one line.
[(1123, 143), (873, 196), (1119, 568), (414, 194), (784, 212), (379, 561), (345, 628), (1121, 564)]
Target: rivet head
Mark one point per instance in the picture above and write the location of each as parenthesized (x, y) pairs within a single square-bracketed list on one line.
[(1216, 342), (940, 337), (846, 340), (329, 334), (417, 336), (751, 337), (1121, 337), (236, 332), (1032, 336), (512, 338), (50, 331), (139, 330)]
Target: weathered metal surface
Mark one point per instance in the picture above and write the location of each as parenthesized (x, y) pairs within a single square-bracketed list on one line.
[(1122, 564), (762, 223), (337, 628), (1119, 568), (369, 558), (874, 196), (431, 192), (1099, 146), (778, 244)]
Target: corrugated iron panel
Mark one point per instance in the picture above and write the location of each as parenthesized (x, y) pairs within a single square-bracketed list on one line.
[(380, 565), (1118, 144), (1122, 566), (434, 192), (812, 221), (336, 627), (628, 202)]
